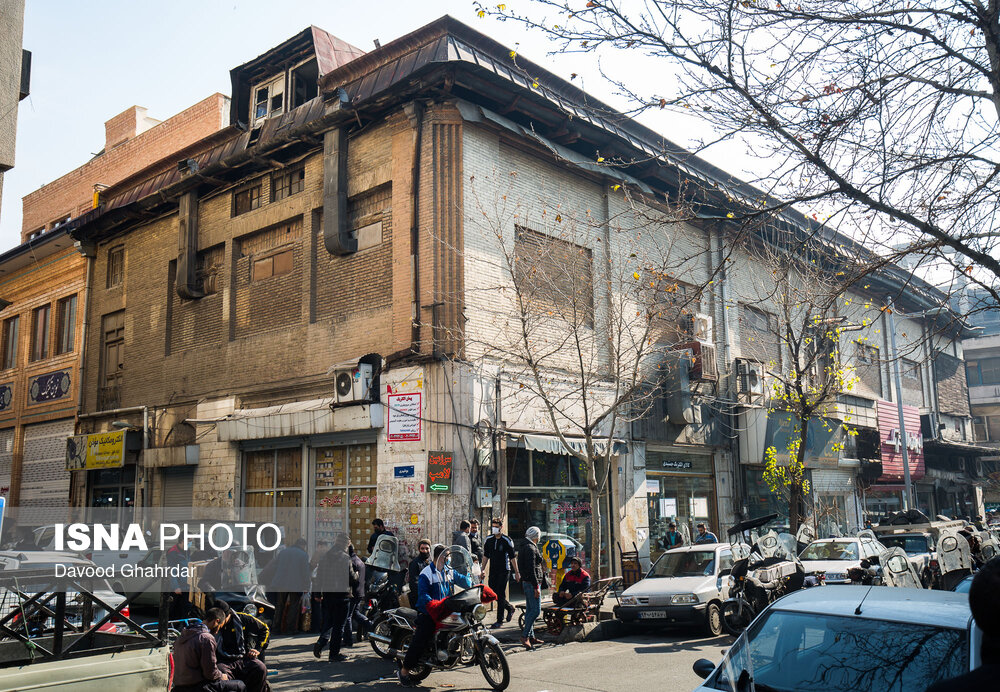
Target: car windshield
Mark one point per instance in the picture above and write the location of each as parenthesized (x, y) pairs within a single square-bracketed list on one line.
[(911, 545), (831, 550), (806, 652), (688, 563)]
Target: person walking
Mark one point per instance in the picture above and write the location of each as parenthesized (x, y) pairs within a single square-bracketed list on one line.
[(336, 579), (704, 535), (195, 666), (315, 600), (461, 537), (179, 602), (378, 529), (354, 614), (476, 540), (290, 581), (531, 568), (499, 561), (672, 538)]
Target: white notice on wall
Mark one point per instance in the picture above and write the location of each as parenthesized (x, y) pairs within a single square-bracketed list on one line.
[(404, 417), (699, 507), (652, 486), (668, 507)]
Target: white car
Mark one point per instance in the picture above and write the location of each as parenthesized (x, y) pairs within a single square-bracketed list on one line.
[(685, 585), (846, 638), (835, 556)]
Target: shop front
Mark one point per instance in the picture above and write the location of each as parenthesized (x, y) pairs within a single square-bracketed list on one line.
[(548, 489), (886, 495), (680, 490)]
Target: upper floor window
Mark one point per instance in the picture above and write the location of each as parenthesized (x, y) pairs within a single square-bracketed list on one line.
[(672, 305), (304, 83), (272, 265), (984, 371), (247, 198), (209, 267), (59, 222), (287, 182), (40, 333), (268, 99), (554, 276), (10, 342), (759, 336), (66, 325), (116, 266)]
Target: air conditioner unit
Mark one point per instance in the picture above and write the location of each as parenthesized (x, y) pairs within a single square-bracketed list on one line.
[(353, 383), (703, 328), (704, 367), (750, 378)]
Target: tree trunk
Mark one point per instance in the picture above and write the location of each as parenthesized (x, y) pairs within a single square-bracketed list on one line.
[(595, 533), (795, 494)]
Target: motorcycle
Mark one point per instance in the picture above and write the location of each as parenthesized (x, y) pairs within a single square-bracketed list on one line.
[(460, 639), (764, 569), (381, 596)]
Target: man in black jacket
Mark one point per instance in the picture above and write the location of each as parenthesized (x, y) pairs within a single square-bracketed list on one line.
[(477, 541), (239, 644), (501, 559), (416, 566), (531, 567), (335, 579)]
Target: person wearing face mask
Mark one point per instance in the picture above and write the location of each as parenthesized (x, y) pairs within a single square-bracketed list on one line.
[(500, 558), (416, 566)]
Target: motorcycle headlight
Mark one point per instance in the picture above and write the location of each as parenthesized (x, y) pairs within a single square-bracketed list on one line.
[(683, 599), (629, 600), (250, 609), (479, 612)]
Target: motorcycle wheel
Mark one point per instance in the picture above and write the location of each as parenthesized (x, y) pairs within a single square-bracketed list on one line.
[(493, 663), (735, 618), (382, 627), (421, 670)]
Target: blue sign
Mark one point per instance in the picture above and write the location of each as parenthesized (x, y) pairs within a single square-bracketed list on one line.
[(6, 396), (403, 472), (49, 387)]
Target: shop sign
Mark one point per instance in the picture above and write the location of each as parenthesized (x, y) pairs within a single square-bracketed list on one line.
[(97, 451), (892, 448), (404, 417), (672, 464), (652, 486), (439, 472), (48, 387)]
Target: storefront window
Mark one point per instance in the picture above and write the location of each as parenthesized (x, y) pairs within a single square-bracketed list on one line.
[(761, 500), (831, 516), (273, 488), (113, 490), (680, 489), (346, 500)]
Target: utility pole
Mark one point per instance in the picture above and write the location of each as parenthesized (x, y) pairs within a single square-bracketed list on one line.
[(907, 484)]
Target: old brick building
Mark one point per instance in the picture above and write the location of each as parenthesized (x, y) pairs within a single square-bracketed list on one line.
[(45, 281), (305, 314)]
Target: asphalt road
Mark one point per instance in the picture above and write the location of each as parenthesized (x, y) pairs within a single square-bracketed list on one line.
[(649, 661)]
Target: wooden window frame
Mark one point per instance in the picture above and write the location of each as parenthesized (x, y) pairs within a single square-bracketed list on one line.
[(66, 328), (40, 347), (116, 267), (288, 182), (253, 200), (10, 341)]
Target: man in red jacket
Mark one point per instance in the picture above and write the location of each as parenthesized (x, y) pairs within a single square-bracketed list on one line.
[(574, 582), (195, 667)]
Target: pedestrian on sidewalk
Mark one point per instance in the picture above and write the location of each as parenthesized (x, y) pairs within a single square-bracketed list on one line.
[(315, 600), (416, 566), (461, 537), (673, 538), (290, 581), (476, 540), (336, 578), (195, 666), (500, 561), (378, 529), (354, 614), (532, 570)]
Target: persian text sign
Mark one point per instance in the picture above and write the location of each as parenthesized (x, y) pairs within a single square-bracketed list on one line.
[(98, 451), (404, 417), (439, 470)]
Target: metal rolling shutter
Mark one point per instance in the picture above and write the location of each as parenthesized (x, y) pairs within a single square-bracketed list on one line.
[(178, 487), (45, 480)]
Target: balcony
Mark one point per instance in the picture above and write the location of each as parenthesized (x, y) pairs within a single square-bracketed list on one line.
[(984, 394), (109, 397)]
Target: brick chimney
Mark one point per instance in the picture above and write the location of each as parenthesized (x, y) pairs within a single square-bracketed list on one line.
[(125, 126)]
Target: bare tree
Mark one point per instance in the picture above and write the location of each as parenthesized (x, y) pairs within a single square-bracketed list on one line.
[(579, 309), (881, 115)]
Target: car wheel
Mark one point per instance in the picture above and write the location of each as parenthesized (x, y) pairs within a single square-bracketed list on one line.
[(713, 620)]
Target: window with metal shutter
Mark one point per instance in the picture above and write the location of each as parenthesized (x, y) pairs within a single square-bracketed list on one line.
[(178, 487)]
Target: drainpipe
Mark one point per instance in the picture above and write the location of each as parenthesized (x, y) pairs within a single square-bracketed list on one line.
[(336, 233), (187, 246), (89, 251), (737, 489), (415, 111)]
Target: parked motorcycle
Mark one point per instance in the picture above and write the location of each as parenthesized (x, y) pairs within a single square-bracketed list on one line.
[(764, 569), (461, 637), (381, 596)]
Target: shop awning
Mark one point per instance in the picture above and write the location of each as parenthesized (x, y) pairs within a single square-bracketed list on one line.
[(297, 418), (963, 448), (553, 445)]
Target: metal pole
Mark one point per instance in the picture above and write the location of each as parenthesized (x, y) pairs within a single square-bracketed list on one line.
[(907, 486)]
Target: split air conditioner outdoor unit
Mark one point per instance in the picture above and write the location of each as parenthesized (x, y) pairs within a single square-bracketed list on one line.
[(750, 379), (704, 367), (703, 328), (353, 383)]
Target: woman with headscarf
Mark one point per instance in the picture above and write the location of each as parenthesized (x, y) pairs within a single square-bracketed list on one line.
[(532, 570)]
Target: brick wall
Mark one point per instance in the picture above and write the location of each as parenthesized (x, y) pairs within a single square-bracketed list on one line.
[(72, 194)]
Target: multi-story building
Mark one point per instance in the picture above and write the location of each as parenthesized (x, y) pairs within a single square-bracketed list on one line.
[(313, 313), (15, 79), (44, 283)]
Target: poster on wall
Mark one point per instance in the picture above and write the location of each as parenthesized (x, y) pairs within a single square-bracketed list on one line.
[(668, 507), (404, 417), (699, 507)]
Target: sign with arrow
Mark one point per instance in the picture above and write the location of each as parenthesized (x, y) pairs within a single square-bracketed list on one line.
[(439, 472)]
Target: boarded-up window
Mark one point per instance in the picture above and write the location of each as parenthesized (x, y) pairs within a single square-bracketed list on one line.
[(868, 367), (952, 389), (271, 238), (672, 305), (366, 213), (112, 360), (209, 268), (271, 265), (913, 391), (555, 276), (759, 336)]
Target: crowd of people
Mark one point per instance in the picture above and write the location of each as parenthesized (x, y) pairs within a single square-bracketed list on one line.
[(224, 651)]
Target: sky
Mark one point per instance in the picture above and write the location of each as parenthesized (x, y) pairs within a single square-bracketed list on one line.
[(91, 61)]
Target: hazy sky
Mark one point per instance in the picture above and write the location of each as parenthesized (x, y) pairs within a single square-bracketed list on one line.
[(92, 60)]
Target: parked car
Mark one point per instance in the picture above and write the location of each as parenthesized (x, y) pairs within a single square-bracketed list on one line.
[(920, 549), (12, 561), (964, 585), (844, 638), (685, 585), (835, 556)]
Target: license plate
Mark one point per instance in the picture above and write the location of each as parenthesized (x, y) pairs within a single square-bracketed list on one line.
[(652, 614)]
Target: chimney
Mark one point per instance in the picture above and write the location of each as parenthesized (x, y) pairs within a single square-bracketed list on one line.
[(126, 125)]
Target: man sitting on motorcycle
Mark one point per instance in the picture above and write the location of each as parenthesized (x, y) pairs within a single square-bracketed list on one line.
[(435, 583)]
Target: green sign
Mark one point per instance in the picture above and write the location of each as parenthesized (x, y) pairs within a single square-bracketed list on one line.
[(439, 472)]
